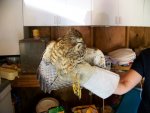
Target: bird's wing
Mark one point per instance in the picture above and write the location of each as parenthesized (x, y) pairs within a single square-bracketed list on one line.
[(47, 73)]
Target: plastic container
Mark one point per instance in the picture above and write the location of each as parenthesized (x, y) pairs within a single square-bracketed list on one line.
[(36, 34), (45, 104)]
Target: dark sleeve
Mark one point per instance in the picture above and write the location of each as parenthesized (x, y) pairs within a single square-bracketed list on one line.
[(138, 64)]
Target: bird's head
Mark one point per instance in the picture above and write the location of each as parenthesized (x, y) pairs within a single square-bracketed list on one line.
[(73, 43)]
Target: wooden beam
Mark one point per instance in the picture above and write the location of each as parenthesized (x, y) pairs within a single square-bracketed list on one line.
[(127, 37)]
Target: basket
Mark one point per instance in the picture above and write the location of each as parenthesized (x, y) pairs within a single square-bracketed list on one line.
[(45, 104)]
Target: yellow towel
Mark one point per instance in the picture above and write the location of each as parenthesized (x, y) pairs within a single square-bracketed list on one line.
[(9, 74)]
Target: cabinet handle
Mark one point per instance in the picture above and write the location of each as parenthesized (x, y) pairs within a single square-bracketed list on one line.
[(55, 19), (117, 20), (59, 20)]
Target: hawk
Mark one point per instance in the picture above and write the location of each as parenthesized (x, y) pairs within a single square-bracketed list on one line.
[(60, 67), (60, 59)]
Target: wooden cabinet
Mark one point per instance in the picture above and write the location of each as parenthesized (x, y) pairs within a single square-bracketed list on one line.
[(57, 12), (117, 12), (11, 26), (146, 15)]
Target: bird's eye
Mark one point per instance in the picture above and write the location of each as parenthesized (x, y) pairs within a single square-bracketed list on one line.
[(79, 46)]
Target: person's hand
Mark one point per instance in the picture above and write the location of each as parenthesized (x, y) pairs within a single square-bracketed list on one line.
[(97, 80)]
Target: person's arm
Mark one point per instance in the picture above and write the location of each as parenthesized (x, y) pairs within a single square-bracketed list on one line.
[(130, 80)]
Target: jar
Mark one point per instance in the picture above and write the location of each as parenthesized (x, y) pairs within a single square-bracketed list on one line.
[(36, 34)]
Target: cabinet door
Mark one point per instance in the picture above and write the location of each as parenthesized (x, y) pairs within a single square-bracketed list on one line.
[(38, 13), (77, 12), (42, 12), (57, 12), (147, 13), (11, 26), (61, 12), (130, 12), (104, 12)]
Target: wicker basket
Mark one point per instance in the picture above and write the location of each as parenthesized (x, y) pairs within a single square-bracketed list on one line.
[(46, 103)]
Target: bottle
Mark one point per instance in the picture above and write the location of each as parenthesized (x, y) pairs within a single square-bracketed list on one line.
[(36, 34)]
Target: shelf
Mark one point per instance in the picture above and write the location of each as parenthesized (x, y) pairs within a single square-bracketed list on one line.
[(26, 80)]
